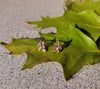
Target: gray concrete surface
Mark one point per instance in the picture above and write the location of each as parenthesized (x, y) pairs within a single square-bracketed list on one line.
[(13, 17)]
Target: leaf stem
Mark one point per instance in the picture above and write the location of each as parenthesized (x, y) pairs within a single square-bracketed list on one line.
[(64, 5)]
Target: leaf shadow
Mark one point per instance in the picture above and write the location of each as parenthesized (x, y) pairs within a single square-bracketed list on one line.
[(98, 42), (84, 31)]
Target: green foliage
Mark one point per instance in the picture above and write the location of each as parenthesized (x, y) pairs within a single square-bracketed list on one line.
[(77, 31), (86, 5)]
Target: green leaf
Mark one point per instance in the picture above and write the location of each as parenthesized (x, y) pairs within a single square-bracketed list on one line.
[(75, 59), (19, 46), (34, 57), (86, 5), (87, 20), (82, 50), (29, 46), (77, 31), (72, 59)]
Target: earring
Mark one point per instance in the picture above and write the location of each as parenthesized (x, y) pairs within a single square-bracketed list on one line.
[(41, 46), (57, 47)]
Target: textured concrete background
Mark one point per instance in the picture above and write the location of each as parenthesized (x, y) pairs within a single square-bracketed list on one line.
[(13, 17)]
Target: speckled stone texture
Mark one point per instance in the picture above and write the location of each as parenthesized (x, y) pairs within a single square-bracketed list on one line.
[(13, 17)]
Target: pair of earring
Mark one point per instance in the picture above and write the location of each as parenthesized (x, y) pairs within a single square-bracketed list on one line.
[(57, 47)]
